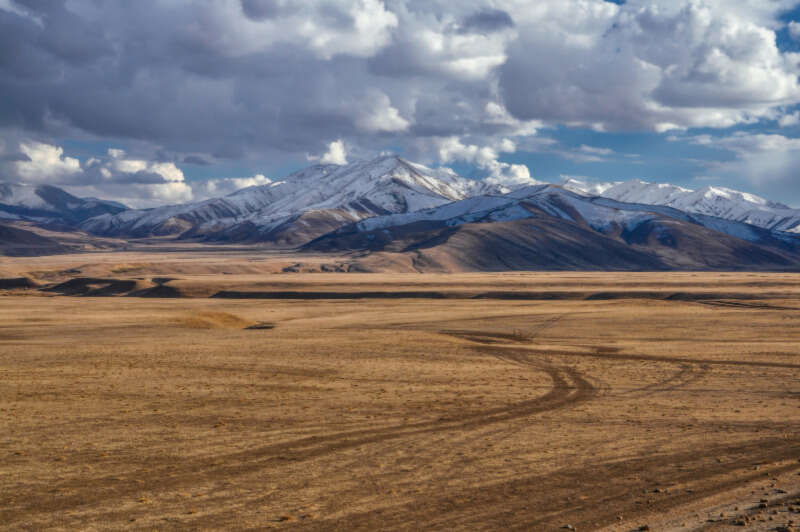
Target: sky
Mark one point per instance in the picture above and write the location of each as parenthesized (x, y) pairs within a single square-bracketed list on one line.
[(166, 101)]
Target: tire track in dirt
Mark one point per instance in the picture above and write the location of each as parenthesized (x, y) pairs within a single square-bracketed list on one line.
[(690, 371), (508, 505), (686, 375), (491, 337), (569, 388), (613, 354), (608, 489)]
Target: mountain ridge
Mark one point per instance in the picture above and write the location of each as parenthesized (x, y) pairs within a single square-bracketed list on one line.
[(550, 227), (330, 195), (50, 204), (716, 201)]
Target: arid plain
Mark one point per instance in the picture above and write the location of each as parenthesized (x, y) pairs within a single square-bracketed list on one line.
[(233, 395)]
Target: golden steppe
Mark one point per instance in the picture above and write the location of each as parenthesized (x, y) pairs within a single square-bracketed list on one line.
[(343, 401)]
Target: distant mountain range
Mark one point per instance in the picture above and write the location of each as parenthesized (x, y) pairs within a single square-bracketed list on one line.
[(391, 213), (549, 227), (713, 201), (301, 207), (51, 205)]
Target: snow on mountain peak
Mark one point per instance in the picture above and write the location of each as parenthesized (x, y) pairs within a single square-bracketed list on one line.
[(390, 184), (584, 187), (386, 184), (715, 201)]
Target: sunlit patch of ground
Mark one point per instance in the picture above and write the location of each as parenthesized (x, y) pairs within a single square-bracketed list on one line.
[(398, 413)]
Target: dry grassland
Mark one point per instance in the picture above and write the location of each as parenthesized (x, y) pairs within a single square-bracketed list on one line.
[(400, 413)]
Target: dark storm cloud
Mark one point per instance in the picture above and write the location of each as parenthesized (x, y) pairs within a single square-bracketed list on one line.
[(142, 177), (267, 9), (22, 58), (15, 157), (278, 79), (202, 78), (487, 21), (170, 83), (195, 160), (261, 9)]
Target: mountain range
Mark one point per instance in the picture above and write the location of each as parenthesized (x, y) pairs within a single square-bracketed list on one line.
[(389, 213), (51, 205), (549, 227), (301, 207), (714, 201)]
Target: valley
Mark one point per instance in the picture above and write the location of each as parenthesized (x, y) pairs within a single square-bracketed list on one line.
[(400, 265), (385, 345), (514, 400)]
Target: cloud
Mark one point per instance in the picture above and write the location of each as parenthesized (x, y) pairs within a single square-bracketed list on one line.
[(651, 66), (196, 160), (336, 154), (487, 21), (267, 9), (14, 157), (594, 150), (794, 30), (213, 188), (788, 120), (118, 176), (767, 161), (580, 154), (749, 143), (268, 81), (452, 149), (45, 163), (377, 115)]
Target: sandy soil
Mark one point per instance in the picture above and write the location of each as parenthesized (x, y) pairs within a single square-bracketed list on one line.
[(400, 414)]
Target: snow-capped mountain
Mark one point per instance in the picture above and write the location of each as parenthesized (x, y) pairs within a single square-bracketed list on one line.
[(547, 226), (600, 213), (47, 204), (712, 201), (390, 205), (304, 205)]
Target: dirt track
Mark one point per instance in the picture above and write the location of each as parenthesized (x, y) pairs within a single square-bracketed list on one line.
[(400, 414)]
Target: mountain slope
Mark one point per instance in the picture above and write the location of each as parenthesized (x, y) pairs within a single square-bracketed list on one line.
[(713, 201), (17, 242), (49, 204), (547, 227), (304, 205)]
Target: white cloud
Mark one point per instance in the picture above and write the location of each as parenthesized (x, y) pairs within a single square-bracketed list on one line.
[(212, 188), (794, 30), (134, 181), (594, 150), (768, 162), (47, 163), (377, 114), (452, 149), (327, 27), (275, 76), (336, 154), (13, 7), (789, 120), (749, 143), (117, 164), (371, 30), (654, 65), (431, 39)]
